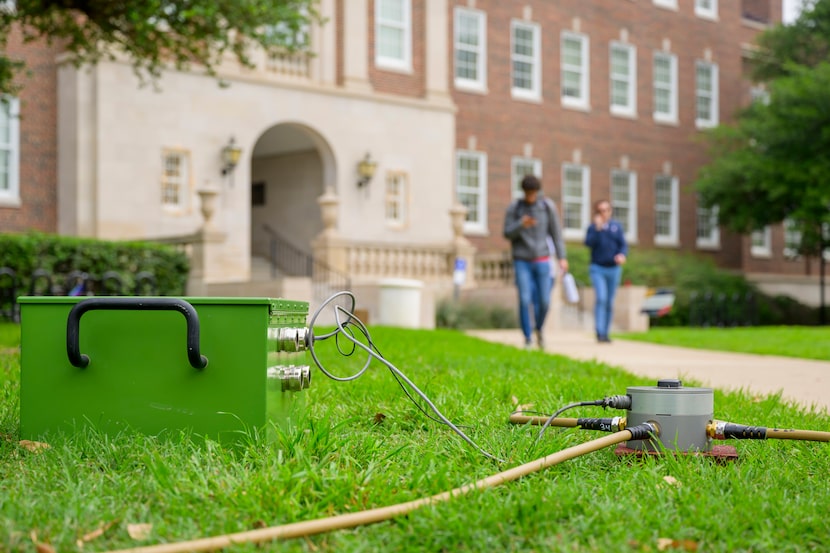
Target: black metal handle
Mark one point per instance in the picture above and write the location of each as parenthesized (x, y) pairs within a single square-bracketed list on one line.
[(78, 359)]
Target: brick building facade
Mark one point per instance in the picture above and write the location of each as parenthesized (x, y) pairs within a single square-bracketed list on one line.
[(29, 198), (455, 99)]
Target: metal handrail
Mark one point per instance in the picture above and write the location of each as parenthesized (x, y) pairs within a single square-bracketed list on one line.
[(293, 261)]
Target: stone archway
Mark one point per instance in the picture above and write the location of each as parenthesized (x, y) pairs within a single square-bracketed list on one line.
[(291, 166)]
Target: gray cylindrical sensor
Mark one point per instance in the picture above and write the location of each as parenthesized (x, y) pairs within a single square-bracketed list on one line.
[(682, 414)]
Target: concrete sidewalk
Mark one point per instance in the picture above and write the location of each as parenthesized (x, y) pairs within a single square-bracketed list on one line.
[(803, 381)]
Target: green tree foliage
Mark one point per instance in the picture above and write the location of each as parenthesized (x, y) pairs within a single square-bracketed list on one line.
[(774, 163), (805, 42), (154, 34)]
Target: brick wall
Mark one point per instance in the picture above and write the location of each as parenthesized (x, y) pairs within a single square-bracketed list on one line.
[(395, 82), (502, 126), (38, 138)]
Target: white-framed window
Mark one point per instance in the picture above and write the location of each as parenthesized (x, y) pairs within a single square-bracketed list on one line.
[(175, 179), (521, 167), (665, 210), (575, 77), (623, 78), (706, 94), (792, 239), (624, 201), (706, 8), (471, 189), (470, 38), (761, 242), (708, 231), (393, 34), (397, 191), (576, 184), (665, 87), (671, 4), (525, 60), (9, 152)]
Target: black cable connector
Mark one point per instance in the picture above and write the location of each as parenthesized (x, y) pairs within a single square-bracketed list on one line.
[(644, 431), (617, 402), (608, 424), (729, 430)]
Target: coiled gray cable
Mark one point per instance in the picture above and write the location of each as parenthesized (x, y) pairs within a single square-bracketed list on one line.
[(345, 319)]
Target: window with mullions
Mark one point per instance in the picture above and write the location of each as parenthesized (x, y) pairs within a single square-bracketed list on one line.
[(521, 167), (708, 232), (665, 210), (174, 179), (9, 151), (470, 36), (575, 187), (525, 60), (792, 239), (575, 88), (623, 78), (393, 34), (396, 193), (706, 94), (665, 87), (624, 201), (761, 242), (471, 189), (706, 8)]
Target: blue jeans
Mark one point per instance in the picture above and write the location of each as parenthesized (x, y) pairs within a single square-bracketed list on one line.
[(533, 280), (605, 281)]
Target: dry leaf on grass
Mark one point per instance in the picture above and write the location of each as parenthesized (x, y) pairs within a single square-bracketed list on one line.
[(379, 418), (139, 531), (672, 481), (41, 547), (664, 544), (515, 400), (95, 534), (524, 407), (33, 446)]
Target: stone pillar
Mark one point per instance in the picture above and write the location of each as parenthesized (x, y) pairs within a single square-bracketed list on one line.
[(461, 247), (201, 244), (325, 40), (356, 45), (329, 247), (437, 46)]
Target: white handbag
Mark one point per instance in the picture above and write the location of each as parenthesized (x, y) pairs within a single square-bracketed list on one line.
[(569, 288)]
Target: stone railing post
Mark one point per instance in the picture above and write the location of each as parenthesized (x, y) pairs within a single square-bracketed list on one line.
[(200, 246), (462, 249)]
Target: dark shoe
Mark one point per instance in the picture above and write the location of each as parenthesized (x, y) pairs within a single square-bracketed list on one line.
[(540, 340), (604, 340)]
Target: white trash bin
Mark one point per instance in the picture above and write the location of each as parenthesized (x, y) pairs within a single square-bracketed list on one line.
[(400, 302)]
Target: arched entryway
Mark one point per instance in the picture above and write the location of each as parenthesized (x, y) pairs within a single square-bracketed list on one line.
[(291, 166)]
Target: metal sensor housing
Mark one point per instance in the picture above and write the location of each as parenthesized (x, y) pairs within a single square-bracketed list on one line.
[(682, 414)]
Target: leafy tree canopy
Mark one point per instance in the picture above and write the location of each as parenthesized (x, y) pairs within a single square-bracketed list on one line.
[(805, 42), (155, 33), (774, 164)]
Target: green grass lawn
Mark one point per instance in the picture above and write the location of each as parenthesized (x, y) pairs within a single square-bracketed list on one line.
[(808, 342), (363, 444)]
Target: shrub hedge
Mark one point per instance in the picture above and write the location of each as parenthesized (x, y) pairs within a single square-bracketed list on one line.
[(61, 255), (705, 295)]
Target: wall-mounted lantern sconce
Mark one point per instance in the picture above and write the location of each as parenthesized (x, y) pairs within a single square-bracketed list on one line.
[(230, 156), (366, 170)]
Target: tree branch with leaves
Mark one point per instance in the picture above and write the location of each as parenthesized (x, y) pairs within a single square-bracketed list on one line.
[(155, 34)]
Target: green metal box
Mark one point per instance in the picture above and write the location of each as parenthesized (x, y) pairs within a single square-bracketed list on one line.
[(216, 367)]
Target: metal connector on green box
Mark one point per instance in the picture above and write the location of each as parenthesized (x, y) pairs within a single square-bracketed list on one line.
[(216, 367)]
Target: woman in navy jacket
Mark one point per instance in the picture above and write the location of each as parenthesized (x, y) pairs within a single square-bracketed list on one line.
[(606, 238)]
